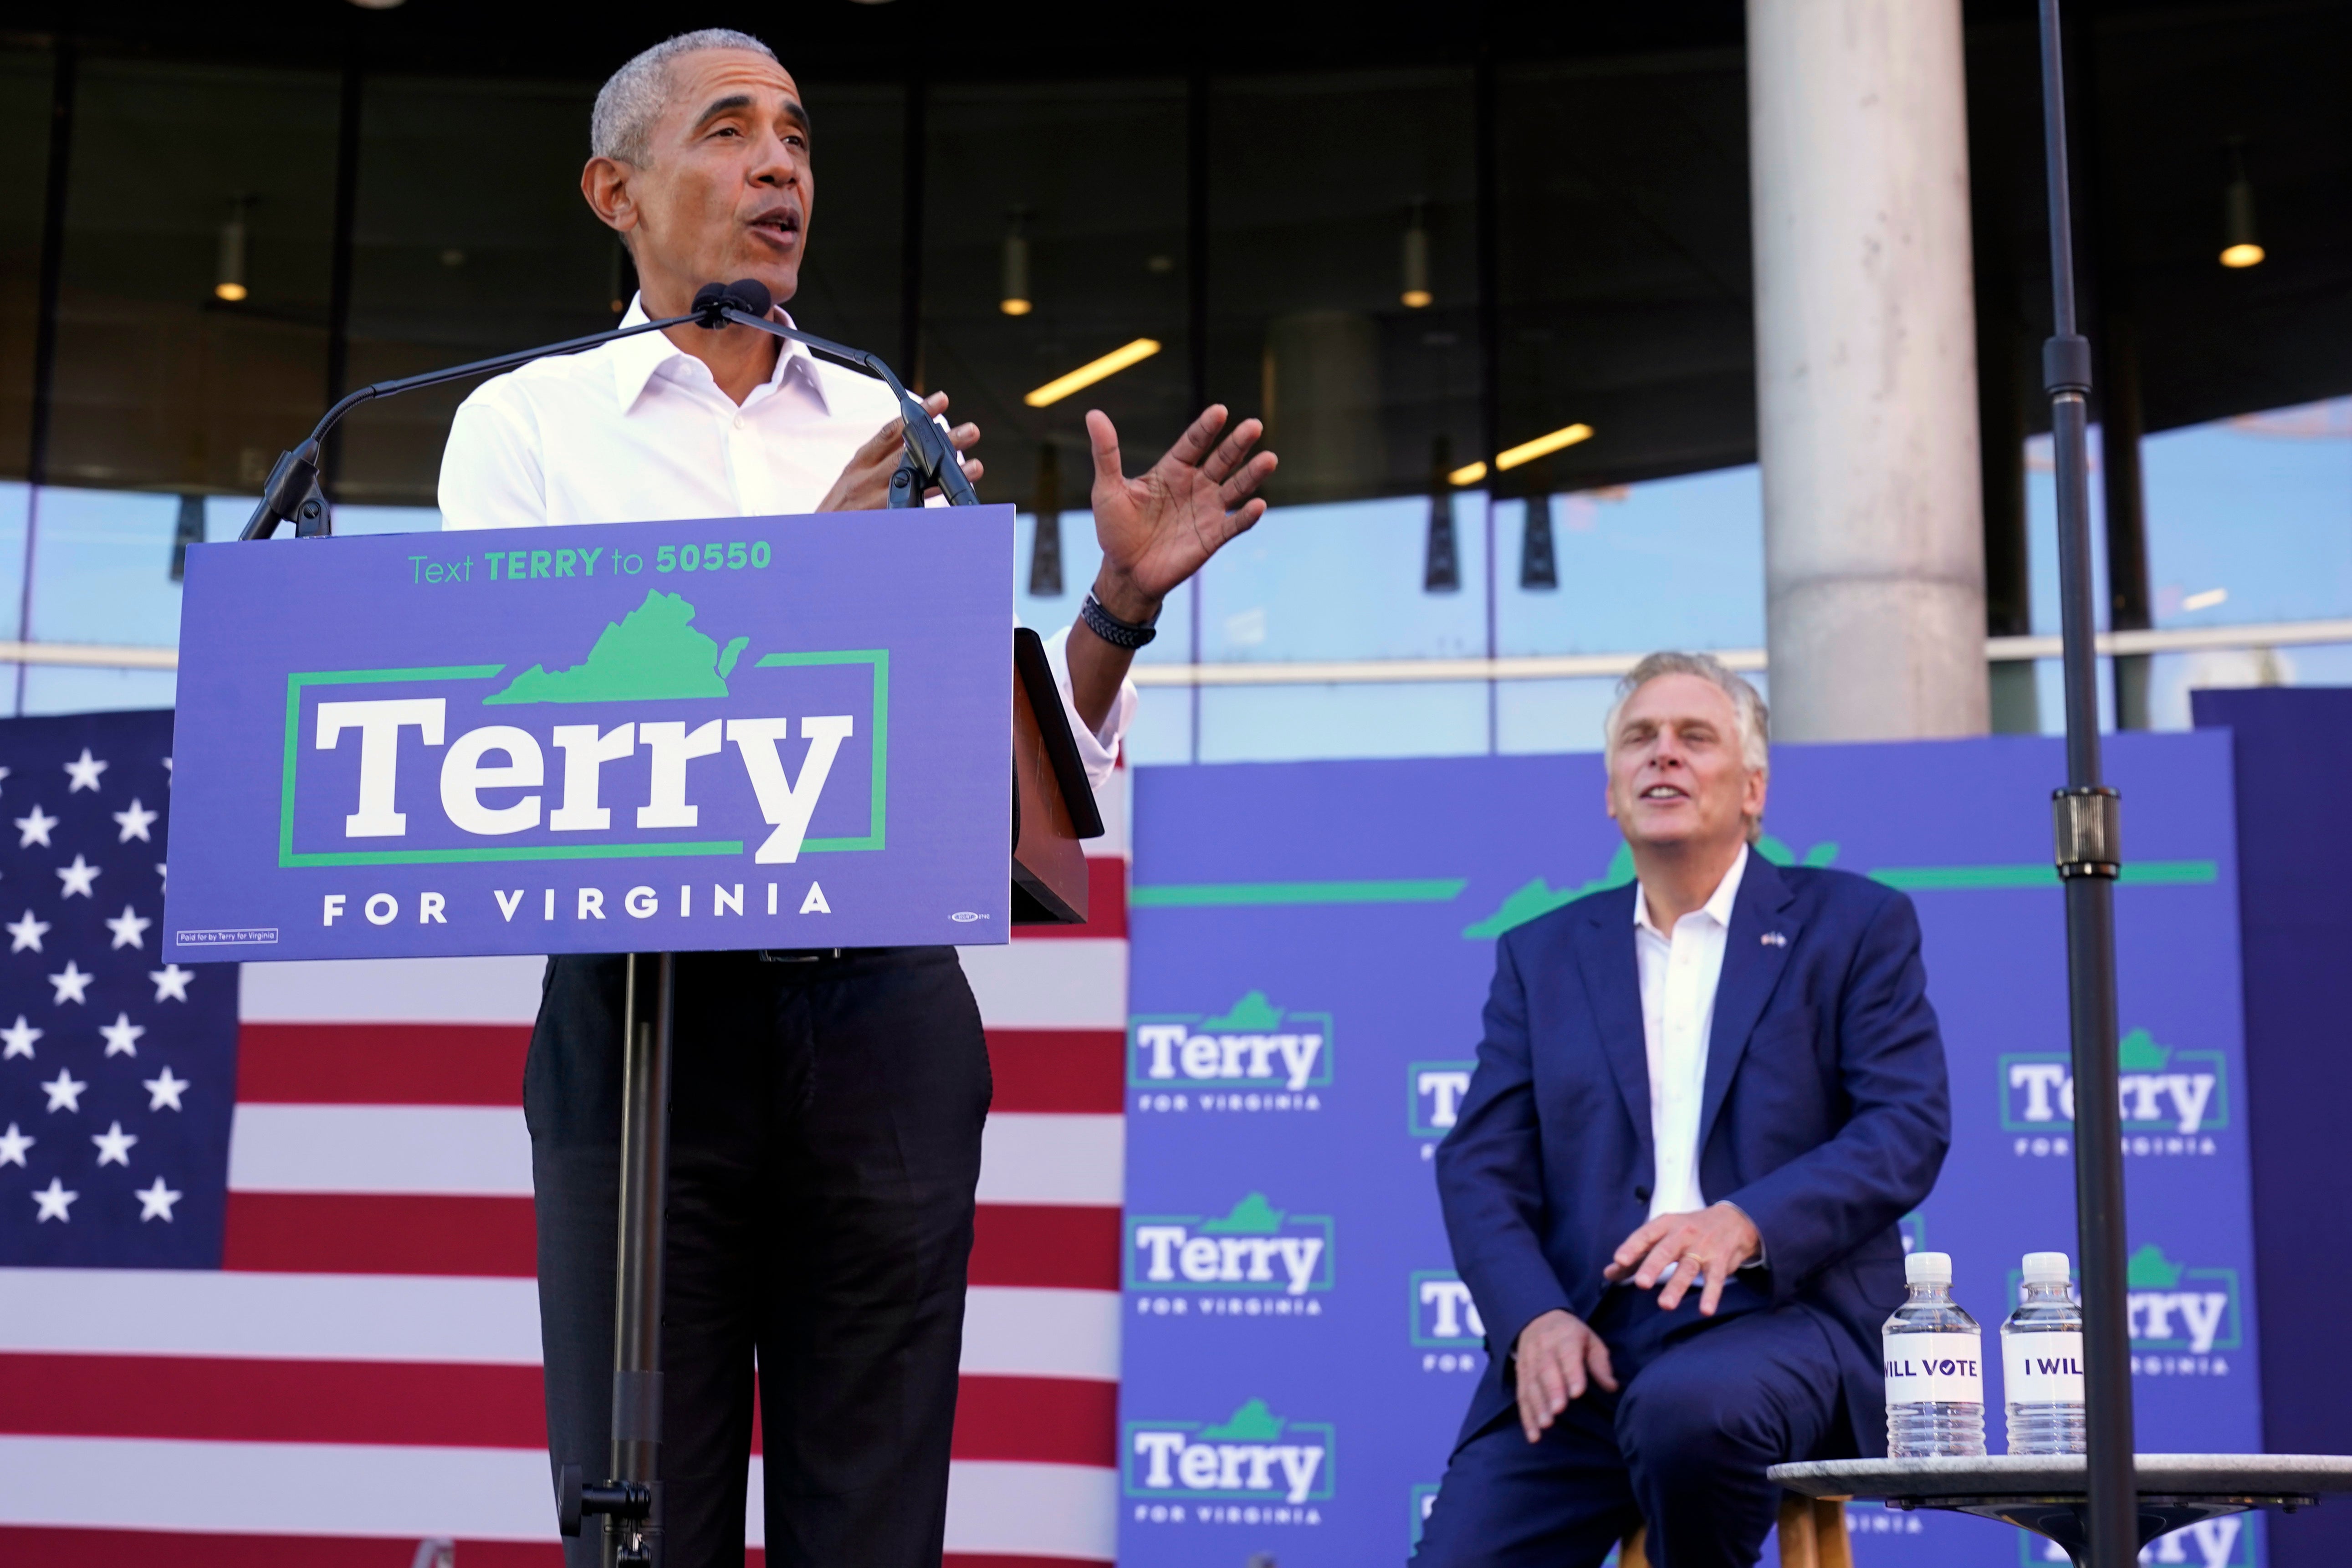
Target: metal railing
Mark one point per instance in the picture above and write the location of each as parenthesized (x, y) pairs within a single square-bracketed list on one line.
[(1382, 671), (1607, 665)]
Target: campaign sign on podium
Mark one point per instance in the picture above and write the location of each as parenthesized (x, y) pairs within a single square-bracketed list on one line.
[(749, 732)]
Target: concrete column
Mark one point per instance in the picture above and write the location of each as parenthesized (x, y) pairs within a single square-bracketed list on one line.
[(1865, 368)]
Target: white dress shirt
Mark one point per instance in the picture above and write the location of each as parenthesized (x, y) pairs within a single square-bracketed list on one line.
[(638, 431), (1679, 973)]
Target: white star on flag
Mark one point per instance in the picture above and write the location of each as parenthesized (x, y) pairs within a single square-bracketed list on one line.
[(171, 982), (77, 878), (123, 1036), (36, 829), (114, 1145), (85, 773), (13, 1146), (128, 928), (19, 1039), (156, 1202), (135, 821), (54, 1200), (5, 772), (72, 985), (64, 1091), (164, 1092), (161, 875), (26, 933)]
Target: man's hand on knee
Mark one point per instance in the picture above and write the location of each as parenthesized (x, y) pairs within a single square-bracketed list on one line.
[(1711, 1244), (1556, 1355)]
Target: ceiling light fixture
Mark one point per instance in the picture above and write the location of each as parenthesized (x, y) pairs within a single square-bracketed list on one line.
[(2239, 249), (2206, 600), (1416, 295), (1012, 295), (229, 271), (1092, 370), (1525, 452)]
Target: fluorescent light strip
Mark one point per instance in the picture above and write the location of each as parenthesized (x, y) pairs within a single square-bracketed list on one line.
[(1525, 452), (1086, 374), (1528, 451)]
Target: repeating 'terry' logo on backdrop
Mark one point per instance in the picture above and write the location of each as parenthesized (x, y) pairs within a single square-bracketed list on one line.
[(1253, 1056)]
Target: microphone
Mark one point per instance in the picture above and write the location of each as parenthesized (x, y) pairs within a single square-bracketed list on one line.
[(930, 458), (748, 295)]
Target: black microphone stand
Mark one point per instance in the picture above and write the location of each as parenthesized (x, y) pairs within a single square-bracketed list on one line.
[(292, 494), (929, 461), (2090, 857), (631, 1499)]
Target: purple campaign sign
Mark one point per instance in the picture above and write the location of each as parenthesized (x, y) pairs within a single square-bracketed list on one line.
[(777, 732)]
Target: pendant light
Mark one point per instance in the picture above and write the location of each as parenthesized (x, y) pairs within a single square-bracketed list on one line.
[(1012, 293), (1415, 294), (228, 271), (2239, 249)]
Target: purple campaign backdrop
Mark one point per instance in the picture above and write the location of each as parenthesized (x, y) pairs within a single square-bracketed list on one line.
[(783, 731), (2295, 864), (1312, 945)]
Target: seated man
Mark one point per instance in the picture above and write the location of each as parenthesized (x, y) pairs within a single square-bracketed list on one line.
[(1723, 1084)]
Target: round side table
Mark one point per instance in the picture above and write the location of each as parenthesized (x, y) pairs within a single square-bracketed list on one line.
[(2049, 1495)]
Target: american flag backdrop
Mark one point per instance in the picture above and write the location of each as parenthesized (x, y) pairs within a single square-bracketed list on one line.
[(265, 1238)]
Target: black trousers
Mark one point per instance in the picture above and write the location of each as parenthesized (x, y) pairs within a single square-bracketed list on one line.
[(825, 1144)]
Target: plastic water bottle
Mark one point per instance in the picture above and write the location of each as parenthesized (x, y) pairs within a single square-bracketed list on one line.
[(1935, 1367), (2041, 1362)]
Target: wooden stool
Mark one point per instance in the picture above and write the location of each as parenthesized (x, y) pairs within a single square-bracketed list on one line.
[(1812, 1535)]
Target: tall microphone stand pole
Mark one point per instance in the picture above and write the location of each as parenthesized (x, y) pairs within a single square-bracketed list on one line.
[(630, 1500), (2090, 856)]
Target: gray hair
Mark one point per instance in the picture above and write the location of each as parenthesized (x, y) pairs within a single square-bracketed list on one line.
[(1755, 719), (621, 126)]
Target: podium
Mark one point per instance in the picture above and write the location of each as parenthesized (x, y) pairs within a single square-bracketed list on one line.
[(572, 741)]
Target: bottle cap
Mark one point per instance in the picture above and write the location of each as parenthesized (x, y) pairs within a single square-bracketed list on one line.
[(1927, 1268), (2046, 1268)]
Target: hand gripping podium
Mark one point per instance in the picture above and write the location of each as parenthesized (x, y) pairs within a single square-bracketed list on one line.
[(778, 733)]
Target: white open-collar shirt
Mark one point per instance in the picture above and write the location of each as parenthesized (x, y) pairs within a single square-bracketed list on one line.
[(637, 430), (1680, 971)]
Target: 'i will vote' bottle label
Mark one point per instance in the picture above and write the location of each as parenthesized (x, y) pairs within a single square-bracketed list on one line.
[(1941, 1368), (2042, 1369)]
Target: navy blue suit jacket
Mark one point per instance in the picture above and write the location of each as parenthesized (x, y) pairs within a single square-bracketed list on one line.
[(1825, 1116)]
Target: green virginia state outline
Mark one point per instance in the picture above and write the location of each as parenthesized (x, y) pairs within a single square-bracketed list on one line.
[(1539, 897), (652, 654)]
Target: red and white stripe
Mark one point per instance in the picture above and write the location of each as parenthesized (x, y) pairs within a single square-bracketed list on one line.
[(364, 1373)]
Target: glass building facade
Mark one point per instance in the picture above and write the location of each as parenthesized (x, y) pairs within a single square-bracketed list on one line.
[(1496, 317)]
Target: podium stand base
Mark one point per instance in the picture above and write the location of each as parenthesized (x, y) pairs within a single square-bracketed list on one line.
[(630, 1502)]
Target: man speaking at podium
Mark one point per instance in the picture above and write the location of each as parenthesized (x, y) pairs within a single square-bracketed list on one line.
[(825, 1106), (1722, 1083)]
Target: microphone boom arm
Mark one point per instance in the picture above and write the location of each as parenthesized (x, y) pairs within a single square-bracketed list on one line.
[(291, 493), (931, 458), (297, 473)]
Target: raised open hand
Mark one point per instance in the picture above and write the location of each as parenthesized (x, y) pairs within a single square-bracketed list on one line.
[(1161, 526)]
